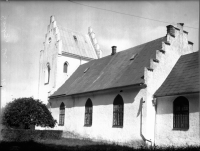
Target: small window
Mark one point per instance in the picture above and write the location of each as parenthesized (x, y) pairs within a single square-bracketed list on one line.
[(118, 111), (47, 74), (62, 114), (65, 67), (49, 39), (88, 113), (181, 113), (75, 38)]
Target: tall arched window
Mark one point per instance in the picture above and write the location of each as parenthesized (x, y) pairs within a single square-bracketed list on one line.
[(62, 114), (88, 113), (47, 73), (181, 113), (65, 67), (118, 111)]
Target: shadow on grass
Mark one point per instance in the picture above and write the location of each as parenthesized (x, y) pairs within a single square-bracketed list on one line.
[(91, 146), (31, 145)]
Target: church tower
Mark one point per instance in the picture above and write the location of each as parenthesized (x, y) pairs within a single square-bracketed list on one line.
[(64, 51)]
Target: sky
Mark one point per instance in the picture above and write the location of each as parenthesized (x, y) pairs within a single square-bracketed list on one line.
[(24, 25)]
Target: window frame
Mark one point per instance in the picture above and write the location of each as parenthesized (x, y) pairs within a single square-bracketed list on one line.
[(65, 67), (88, 113), (181, 113), (62, 114), (47, 74), (118, 112)]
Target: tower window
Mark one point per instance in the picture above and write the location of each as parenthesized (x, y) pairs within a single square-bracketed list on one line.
[(75, 38), (49, 39), (65, 67), (47, 74)]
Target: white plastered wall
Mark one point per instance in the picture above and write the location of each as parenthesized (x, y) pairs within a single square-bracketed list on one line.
[(73, 64), (101, 128), (173, 49), (164, 122)]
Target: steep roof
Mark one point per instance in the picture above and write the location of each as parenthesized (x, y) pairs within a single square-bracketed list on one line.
[(112, 71), (184, 77), (76, 43)]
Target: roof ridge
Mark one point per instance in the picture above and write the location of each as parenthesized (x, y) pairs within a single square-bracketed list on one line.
[(145, 43), (188, 55)]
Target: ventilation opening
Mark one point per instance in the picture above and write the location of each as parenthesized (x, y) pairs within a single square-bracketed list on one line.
[(86, 70), (49, 39), (75, 38), (133, 56)]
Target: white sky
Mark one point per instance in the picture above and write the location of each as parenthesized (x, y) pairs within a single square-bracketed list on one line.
[(24, 25)]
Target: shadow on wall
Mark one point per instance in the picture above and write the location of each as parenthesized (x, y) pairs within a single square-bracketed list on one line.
[(98, 99), (165, 104)]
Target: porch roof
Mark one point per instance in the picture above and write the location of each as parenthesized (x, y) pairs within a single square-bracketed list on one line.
[(184, 77)]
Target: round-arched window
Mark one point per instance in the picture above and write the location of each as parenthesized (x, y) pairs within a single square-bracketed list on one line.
[(181, 113), (118, 111)]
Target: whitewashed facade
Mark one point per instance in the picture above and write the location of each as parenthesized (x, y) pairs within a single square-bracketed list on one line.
[(140, 121)]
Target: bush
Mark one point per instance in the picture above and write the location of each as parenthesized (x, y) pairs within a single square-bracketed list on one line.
[(26, 113)]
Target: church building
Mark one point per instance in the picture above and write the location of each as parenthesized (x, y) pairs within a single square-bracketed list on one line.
[(134, 96)]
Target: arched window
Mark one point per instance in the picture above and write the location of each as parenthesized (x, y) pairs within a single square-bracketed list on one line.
[(62, 114), (88, 113), (47, 74), (181, 113), (118, 111), (65, 67)]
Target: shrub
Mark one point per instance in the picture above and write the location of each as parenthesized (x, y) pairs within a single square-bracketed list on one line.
[(26, 113)]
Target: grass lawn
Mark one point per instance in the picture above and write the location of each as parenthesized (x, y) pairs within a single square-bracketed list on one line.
[(65, 144)]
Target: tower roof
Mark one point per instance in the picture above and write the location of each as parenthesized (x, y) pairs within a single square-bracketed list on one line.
[(76, 43)]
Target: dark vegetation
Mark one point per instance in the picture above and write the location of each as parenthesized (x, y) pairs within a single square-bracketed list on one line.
[(20, 135), (26, 113), (27, 139), (66, 144)]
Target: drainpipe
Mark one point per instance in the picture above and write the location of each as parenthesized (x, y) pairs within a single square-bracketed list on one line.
[(144, 139), (155, 104)]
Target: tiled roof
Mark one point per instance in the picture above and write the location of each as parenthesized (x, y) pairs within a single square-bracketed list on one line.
[(76, 43), (112, 71), (184, 77)]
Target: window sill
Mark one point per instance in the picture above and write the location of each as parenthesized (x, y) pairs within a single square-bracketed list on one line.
[(87, 125), (60, 124), (117, 126), (180, 129)]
